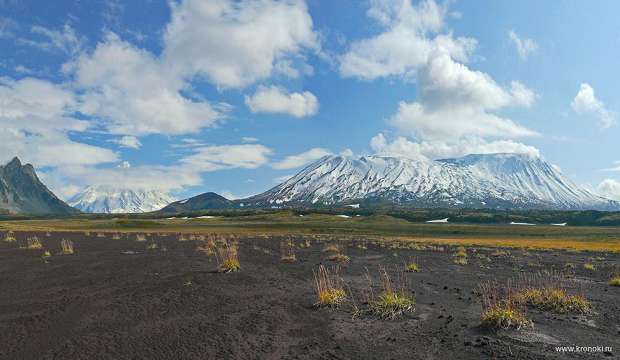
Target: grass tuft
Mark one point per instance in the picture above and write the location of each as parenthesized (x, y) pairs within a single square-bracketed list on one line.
[(287, 251), (66, 247), (615, 280), (10, 237), (33, 243), (228, 260), (341, 258), (328, 288), (554, 299), (504, 315), (589, 267), (412, 267), (499, 310), (393, 301), (460, 257)]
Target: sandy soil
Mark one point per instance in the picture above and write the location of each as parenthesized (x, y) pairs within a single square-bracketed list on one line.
[(113, 299)]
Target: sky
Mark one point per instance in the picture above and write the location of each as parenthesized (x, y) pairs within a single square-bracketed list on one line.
[(189, 96)]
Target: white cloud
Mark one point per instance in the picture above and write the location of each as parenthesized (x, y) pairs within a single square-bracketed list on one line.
[(211, 158), (234, 44), (610, 189), (299, 160), (585, 102), (281, 179), (411, 36), (128, 141), (35, 119), (67, 181), (524, 46), (438, 149), (249, 139), (130, 92), (455, 102), (274, 99)]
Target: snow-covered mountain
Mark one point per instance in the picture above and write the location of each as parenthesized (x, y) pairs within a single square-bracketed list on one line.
[(508, 181), (100, 199)]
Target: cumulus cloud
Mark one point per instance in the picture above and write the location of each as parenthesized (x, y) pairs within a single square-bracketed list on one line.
[(455, 102), (36, 118), (457, 109), (218, 157), (128, 141), (610, 189), (411, 34), (130, 92), (524, 46), (236, 43), (585, 102), (274, 99), (120, 89), (299, 160), (437, 149)]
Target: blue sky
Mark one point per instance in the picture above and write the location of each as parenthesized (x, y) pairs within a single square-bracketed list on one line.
[(232, 96)]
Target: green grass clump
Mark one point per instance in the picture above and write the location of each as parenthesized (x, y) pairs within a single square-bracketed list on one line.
[(553, 299), (589, 267), (341, 258), (392, 304), (328, 288), (393, 300), (10, 237), (615, 280), (228, 258), (460, 257), (412, 267), (504, 315)]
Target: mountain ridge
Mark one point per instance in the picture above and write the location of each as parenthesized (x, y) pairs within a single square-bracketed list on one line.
[(117, 200), (22, 192), (504, 180)]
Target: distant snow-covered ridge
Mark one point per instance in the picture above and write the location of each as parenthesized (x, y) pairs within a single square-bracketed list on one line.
[(100, 199), (508, 181)]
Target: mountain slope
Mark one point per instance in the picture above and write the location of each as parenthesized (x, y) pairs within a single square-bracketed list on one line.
[(21, 192), (509, 181), (204, 201), (102, 199)]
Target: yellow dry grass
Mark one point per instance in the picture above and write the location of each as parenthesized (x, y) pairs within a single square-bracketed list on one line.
[(328, 287)]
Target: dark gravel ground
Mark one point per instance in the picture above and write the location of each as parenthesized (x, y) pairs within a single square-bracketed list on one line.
[(105, 303)]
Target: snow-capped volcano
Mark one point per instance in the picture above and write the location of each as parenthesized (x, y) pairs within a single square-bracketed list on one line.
[(100, 199), (509, 181)]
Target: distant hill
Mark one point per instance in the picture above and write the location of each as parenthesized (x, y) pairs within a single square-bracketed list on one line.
[(22, 193), (113, 200), (204, 201)]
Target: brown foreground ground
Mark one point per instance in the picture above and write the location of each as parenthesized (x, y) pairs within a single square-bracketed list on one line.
[(114, 299)]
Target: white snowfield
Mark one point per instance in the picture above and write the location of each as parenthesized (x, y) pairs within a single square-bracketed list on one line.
[(99, 199), (489, 180), (521, 223), (343, 216), (354, 206), (445, 220), (560, 224)]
